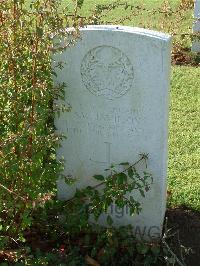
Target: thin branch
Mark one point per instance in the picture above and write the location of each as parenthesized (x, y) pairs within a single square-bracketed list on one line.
[(12, 192), (173, 254), (143, 156)]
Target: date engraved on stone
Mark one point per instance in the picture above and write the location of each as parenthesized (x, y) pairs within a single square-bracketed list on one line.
[(107, 72)]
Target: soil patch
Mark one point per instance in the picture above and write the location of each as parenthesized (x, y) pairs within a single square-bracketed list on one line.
[(185, 225), (185, 57)]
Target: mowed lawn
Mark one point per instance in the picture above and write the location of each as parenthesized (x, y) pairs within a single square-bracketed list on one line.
[(184, 116), (184, 138)]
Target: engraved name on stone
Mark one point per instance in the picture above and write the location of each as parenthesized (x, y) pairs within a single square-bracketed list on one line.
[(106, 71), (104, 123)]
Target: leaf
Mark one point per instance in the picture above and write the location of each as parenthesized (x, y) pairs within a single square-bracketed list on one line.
[(155, 250), (142, 192), (132, 199), (109, 220), (121, 178), (120, 203), (142, 248), (130, 172), (132, 211), (99, 177), (90, 191), (137, 175), (125, 163)]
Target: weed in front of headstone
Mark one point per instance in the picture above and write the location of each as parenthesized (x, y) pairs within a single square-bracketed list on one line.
[(71, 238), (62, 232), (114, 189)]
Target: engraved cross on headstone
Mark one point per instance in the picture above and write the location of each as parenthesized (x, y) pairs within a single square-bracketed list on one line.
[(107, 162)]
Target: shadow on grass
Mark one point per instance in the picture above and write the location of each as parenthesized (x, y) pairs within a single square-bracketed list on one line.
[(184, 226)]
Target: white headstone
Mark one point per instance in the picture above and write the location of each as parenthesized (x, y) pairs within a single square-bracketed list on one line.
[(196, 26), (117, 84)]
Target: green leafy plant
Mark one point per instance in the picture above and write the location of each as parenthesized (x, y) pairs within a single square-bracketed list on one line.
[(28, 165), (115, 188)]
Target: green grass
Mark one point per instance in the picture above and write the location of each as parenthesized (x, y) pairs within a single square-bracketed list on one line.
[(184, 138), (148, 16), (184, 121)]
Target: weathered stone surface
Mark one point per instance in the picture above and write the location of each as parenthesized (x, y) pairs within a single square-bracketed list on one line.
[(118, 79), (196, 26)]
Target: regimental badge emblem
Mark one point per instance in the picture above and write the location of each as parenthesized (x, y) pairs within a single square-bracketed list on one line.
[(107, 72)]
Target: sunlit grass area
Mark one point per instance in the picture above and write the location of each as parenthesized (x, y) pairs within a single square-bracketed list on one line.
[(184, 138)]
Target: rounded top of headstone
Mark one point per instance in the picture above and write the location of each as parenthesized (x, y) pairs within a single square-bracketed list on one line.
[(128, 29)]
